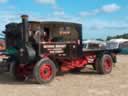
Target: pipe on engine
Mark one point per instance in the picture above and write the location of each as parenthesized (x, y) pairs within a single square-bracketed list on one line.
[(25, 28)]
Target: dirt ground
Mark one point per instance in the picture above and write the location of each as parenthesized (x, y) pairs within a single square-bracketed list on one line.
[(86, 83)]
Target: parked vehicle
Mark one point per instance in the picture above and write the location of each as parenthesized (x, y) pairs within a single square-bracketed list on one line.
[(121, 44), (39, 50), (94, 44)]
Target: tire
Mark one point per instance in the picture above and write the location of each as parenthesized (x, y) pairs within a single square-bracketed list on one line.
[(16, 72), (44, 71), (104, 64)]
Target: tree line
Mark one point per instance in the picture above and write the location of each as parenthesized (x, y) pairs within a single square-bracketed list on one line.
[(124, 36)]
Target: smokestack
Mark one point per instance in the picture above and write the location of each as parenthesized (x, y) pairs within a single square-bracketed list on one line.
[(25, 28)]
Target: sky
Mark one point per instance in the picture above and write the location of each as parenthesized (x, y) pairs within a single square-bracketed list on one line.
[(99, 18)]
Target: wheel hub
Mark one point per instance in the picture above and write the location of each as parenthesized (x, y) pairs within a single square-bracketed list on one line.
[(46, 71), (107, 64)]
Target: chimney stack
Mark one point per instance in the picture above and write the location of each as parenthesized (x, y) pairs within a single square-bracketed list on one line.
[(25, 28)]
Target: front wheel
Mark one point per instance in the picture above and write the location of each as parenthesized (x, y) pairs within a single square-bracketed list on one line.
[(104, 64), (44, 71)]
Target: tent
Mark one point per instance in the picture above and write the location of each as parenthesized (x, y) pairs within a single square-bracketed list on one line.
[(118, 43)]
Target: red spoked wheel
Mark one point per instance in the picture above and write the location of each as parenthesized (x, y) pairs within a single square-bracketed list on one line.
[(104, 64), (107, 64), (44, 71)]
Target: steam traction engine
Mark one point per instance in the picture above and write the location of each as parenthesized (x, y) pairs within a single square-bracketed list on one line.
[(41, 49)]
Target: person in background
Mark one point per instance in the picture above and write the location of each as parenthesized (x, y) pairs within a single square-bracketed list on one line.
[(45, 35)]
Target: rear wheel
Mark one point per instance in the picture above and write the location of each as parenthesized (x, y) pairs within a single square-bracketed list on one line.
[(44, 71), (104, 64)]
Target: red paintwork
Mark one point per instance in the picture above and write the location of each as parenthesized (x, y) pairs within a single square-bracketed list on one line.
[(68, 65), (44, 55), (24, 70), (78, 63), (20, 72), (107, 64), (91, 59), (46, 71)]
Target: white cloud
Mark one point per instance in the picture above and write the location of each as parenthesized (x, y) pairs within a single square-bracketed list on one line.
[(104, 9), (9, 15), (46, 1), (109, 25), (57, 8), (91, 13), (99, 28), (110, 8), (59, 13), (3, 1)]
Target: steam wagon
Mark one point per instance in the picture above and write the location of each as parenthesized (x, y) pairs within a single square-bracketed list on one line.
[(40, 50)]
